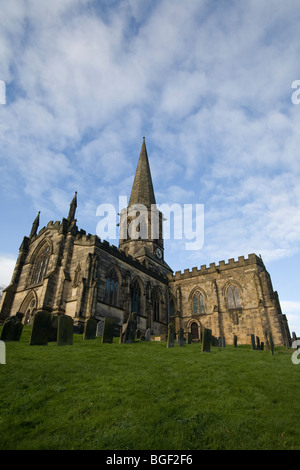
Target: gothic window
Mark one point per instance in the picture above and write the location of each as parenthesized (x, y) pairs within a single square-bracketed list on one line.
[(233, 297), (172, 308), (41, 264), (198, 303), (156, 306), (111, 288), (29, 312), (136, 298)]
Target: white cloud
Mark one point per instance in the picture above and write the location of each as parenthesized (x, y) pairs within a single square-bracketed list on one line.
[(7, 264)]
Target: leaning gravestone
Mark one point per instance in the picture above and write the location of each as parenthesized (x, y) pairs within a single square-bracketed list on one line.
[(253, 342), (108, 330), (206, 340), (41, 328), (99, 330), (171, 337), (128, 334), (65, 330), (148, 335), (90, 329), (12, 329)]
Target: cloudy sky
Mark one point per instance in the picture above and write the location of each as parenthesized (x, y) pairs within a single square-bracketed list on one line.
[(207, 82)]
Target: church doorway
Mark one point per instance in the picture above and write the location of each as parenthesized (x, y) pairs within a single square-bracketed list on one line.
[(195, 331)]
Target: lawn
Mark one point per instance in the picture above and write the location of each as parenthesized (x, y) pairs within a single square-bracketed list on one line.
[(143, 396)]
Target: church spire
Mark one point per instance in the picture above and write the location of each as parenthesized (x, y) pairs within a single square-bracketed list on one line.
[(72, 210), (142, 190), (35, 225)]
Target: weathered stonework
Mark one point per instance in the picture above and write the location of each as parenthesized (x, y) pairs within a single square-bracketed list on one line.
[(63, 270)]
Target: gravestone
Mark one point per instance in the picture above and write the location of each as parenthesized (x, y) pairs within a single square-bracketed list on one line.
[(108, 330), (235, 341), (206, 340), (12, 329), (65, 330), (171, 337), (53, 330), (99, 330), (2, 353), (90, 329), (257, 343), (41, 327), (181, 337), (262, 345), (138, 334), (190, 338), (253, 342), (129, 330), (148, 335)]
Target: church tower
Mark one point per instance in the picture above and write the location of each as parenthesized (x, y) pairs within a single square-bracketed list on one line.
[(141, 223)]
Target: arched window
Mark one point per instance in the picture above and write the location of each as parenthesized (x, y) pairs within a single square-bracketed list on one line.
[(111, 288), (172, 308), (156, 306), (136, 298), (41, 264), (233, 297), (198, 303)]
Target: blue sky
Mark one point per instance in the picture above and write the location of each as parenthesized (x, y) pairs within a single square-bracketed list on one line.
[(208, 83)]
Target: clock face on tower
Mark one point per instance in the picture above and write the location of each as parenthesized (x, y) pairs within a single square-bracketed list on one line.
[(158, 253)]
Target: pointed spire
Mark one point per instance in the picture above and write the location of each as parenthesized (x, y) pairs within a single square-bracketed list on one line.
[(35, 225), (142, 190), (72, 210)]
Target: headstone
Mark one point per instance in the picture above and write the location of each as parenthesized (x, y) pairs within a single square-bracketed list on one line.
[(294, 336), (206, 340), (171, 337), (253, 342), (235, 341), (220, 342), (90, 329), (137, 334), (129, 330), (53, 331), (2, 353), (12, 329), (108, 330), (257, 343), (99, 330), (262, 345), (181, 338), (148, 335), (65, 330), (41, 327), (190, 336)]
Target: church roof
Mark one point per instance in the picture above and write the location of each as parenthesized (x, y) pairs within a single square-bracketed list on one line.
[(142, 190)]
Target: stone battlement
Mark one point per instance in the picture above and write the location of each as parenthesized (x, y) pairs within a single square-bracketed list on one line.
[(213, 268)]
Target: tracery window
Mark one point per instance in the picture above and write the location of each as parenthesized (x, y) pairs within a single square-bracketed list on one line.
[(198, 303), (156, 306), (111, 288), (41, 264), (136, 298), (234, 297)]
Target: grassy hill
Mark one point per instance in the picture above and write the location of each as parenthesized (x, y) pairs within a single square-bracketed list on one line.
[(143, 396)]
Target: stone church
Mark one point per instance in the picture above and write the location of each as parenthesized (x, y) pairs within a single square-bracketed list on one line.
[(63, 270)]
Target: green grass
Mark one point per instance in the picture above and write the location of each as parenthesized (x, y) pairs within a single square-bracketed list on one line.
[(143, 396)]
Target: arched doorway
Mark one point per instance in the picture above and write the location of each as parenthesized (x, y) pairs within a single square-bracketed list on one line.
[(195, 331)]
